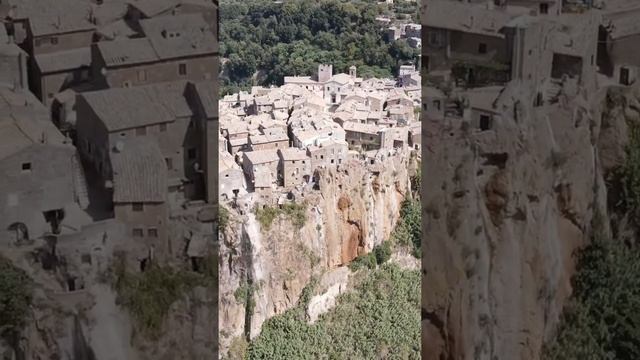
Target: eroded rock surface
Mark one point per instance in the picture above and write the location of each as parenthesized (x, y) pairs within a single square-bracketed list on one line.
[(504, 210)]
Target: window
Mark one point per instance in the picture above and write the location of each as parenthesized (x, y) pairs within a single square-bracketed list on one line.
[(191, 153), (163, 127), (182, 69), (126, 84), (191, 124), (482, 48), (142, 75), (137, 207), (26, 166), (138, 232), (54, 40), (436, 104), (624, 76), (485, 122), (38, 42), (152, 232), (544, 8), (435, 38), (141, 131), (50, 95)]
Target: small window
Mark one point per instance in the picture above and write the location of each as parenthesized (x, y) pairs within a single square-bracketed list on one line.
[(544, 8), (182, 69), (436, 104), (54, 40), (152, 232), (169, 162), (141, 131), (191, 153), (138, 232), (142, 75), (137, 207), (485, 122), (126, 84), (482, 48), (163, 127), (50, 95), (26, 166), (191, 124)]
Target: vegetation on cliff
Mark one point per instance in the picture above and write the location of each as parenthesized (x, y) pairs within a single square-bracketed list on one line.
[(296, 213), (15, 299), (379, 317), (408, 231), (292, 38), (150, 294), (601, 320)]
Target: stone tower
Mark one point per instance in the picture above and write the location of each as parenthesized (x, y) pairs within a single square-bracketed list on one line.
[(352, 71), (324, 72)]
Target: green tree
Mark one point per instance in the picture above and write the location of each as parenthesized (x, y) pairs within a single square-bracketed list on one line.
[(16, 295)]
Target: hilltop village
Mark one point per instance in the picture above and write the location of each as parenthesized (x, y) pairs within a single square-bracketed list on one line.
[(104, 108), (474, 50), (273, 140)]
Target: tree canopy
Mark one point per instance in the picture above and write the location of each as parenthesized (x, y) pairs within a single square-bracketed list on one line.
[(263, 41)]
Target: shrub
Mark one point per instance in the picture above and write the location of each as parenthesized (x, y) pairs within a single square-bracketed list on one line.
[(296, 213), (367, 261), (223, 218), (601, 319), (149, 295), (382, 252), (408, 231), (15, 298)]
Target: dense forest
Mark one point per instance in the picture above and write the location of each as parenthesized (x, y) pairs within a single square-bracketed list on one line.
[(262, 41), (379, 318)]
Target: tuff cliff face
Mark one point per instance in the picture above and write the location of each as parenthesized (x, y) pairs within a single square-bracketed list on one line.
[(83, 318), (503, 212), (354, 209)]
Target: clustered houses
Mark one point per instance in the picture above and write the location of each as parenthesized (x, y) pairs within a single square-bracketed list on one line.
[(113, 102), (548, 48), (410, 32), (277, 138)]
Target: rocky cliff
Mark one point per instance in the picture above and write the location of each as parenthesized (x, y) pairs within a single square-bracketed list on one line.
[(77, 312), (503, 212), (354, 208)]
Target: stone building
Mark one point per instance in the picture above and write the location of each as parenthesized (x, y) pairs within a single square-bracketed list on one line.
[(362, 136), (189, 54), (328, 153), (160, 111), (294, 167), (261, 169), (138, 174), (57, 71)]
